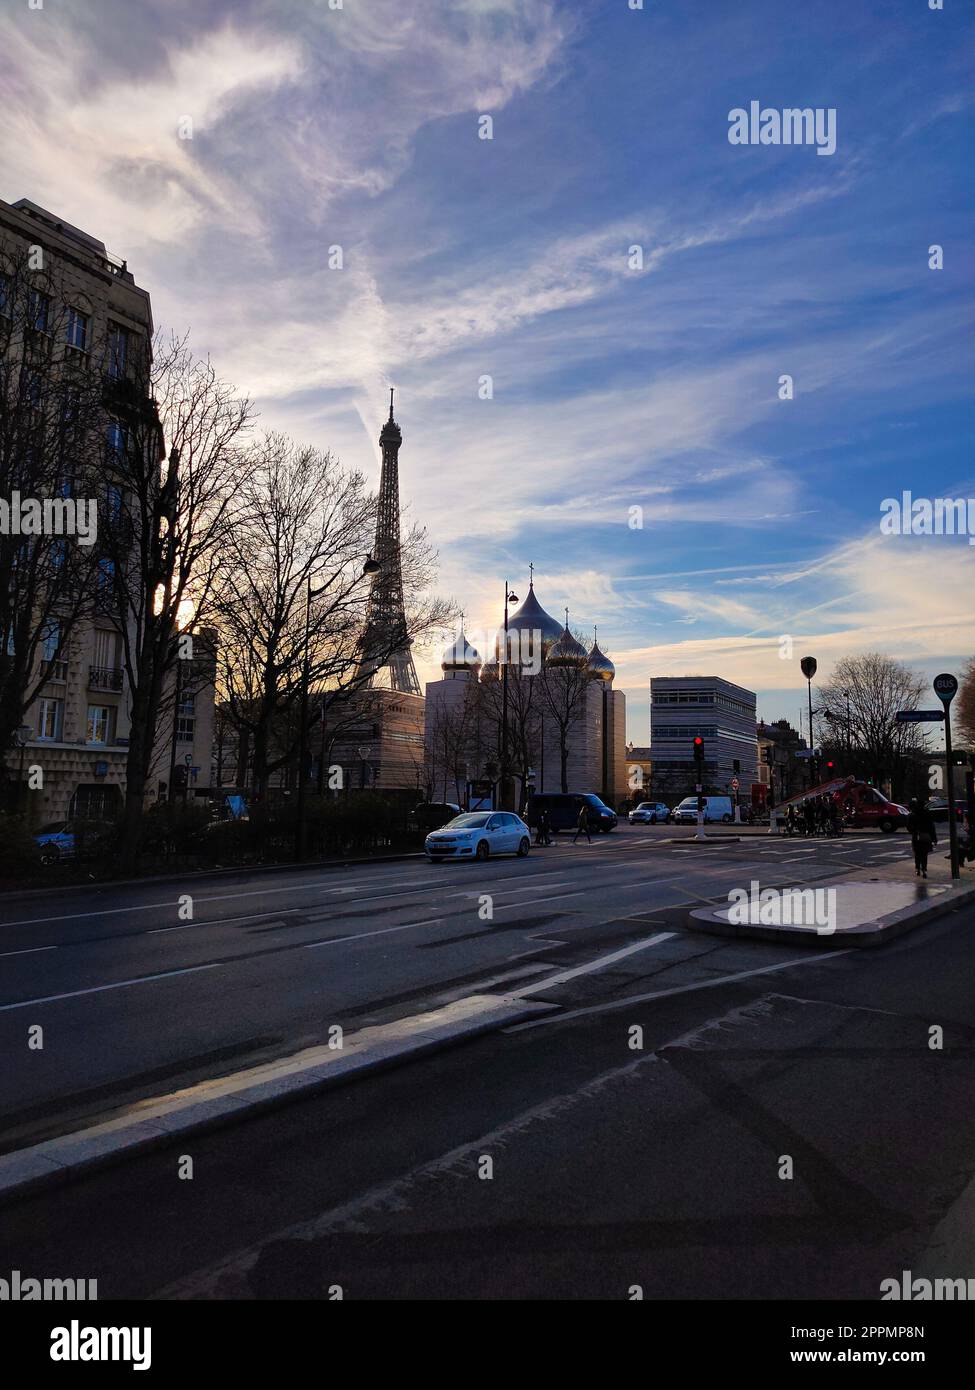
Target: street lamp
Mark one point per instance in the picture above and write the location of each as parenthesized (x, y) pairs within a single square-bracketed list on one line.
[(21, 737), (370, 566), (509, 597), (808, 666)]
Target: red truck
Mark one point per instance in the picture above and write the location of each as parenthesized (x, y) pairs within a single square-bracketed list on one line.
[(863, 807)]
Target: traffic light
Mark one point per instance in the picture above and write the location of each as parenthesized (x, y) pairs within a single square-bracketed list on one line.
[(831, 766), (768, 755), (736, 766), (698, 749)]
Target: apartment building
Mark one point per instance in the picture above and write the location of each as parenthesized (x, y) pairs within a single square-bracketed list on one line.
[(94, 319)]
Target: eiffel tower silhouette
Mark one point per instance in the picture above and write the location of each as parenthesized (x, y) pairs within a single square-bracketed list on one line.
[(386, 642)]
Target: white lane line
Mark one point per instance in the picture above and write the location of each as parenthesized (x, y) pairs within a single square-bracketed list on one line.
[(151, 907), (633, 999), (361, 936), (225, 921), (30, 951), (98, 989), (599, 963), (537, 902)]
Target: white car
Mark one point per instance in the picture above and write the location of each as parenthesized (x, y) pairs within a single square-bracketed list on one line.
[(479, 835), (649, 813)]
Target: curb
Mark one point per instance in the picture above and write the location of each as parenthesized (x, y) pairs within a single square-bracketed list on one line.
[(876, 933), (211, 1105)]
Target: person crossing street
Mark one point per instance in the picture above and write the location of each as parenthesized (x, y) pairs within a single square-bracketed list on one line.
[(582, 824)]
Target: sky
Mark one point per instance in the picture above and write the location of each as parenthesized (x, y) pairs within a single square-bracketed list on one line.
[(635, 447)]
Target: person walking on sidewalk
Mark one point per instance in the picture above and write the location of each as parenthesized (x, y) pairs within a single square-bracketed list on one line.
[(920, 826), (582, 824)]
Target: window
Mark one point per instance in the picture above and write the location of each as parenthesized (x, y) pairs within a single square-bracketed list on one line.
[(49, 719), (105, 583), (116, 441), (118, 350), (101, 719), (184, 730), (114, 498), (38, 311), (51, 640), (78, 325)]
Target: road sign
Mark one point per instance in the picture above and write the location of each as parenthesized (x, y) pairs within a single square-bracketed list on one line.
[(188, 759), (945, 687), (735, 784), (920, 716), (806, 753), (808, 666)]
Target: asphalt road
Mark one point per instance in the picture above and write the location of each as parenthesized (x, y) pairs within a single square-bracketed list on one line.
[(137, 997), (783, 1128)]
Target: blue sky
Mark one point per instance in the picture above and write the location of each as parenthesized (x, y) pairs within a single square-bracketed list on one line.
[(465, 257)]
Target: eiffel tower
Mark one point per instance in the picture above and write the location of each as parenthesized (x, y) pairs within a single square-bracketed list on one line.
[(385, 643)]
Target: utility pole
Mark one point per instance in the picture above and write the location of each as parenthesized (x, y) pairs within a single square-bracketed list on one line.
[(945, 687)]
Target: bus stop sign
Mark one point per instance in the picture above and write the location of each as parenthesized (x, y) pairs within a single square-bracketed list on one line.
[(945, 687)]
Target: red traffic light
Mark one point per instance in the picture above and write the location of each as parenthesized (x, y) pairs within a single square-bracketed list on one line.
[(699, 742), (830, 766)]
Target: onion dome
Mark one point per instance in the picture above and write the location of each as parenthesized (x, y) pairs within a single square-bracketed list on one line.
[(531, 617), (566, 651), (460, 656), (600, 665)]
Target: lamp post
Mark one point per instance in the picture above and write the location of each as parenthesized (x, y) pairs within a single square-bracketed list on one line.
[(509, 597), (808, 666), (370, 566), (22, 736)]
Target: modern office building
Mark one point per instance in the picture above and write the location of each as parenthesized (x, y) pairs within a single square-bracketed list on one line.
[(723, 714)]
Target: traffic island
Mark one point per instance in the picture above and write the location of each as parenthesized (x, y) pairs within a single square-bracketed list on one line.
[(840, 914)]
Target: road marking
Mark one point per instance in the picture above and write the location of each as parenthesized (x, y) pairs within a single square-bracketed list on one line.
[(225, 921), (634, 999), (598, 964), (30, 951), (361, 936), (536, 902), (98, 989), (150, 907)]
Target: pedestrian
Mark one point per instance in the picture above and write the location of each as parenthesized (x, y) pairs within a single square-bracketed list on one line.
[(921, 828), (543, 833), (582, 824)]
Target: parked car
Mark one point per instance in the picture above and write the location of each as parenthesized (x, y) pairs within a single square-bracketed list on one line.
[(563, 811), (716, 808), (938, 806), (479, 835), (649, 813), (62, 840), (431, 815)]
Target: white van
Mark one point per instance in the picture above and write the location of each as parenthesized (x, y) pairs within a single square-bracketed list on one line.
[(716, 808)]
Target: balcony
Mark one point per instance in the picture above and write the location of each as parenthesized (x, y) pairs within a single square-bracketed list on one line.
[(105, 678)]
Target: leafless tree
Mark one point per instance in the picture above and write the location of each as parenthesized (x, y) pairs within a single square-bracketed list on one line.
[(176, 473), (964, 704), (877, 687), (307, 525), (565, 694)]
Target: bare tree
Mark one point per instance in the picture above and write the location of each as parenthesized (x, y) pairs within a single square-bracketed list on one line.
[(293, 588), (173, 518), (52, 424), (565, 690), (877, 687), (964, 703)]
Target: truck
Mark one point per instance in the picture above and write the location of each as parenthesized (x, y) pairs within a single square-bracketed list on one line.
[(863, 807)]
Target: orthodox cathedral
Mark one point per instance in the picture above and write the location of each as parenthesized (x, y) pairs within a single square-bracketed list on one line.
[(566, 724)]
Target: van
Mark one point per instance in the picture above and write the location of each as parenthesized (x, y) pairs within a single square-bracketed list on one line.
[(716, 808), (563, 811)]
